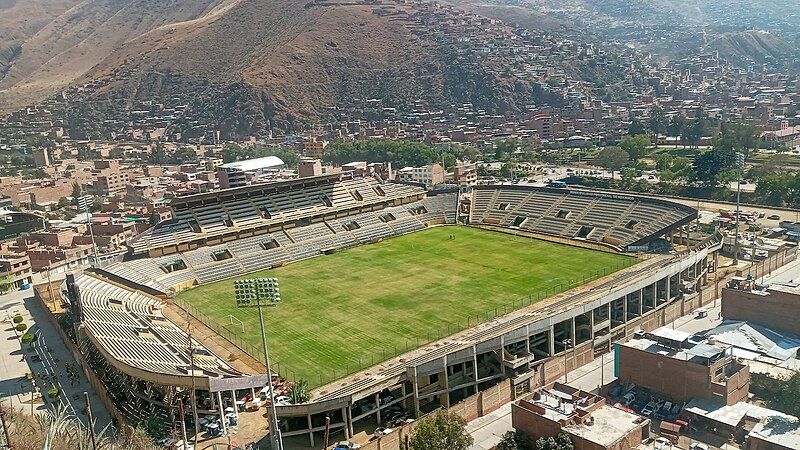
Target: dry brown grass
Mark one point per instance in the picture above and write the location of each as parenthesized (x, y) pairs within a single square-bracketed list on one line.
[(57, 431)]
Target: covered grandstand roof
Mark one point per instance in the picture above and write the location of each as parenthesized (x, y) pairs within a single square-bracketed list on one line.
[(248, 165)]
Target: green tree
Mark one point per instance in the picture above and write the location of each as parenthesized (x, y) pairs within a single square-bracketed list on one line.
[(6, 284), (63, 202), (505, 148), (635, 128), (675, 126), (441, 431), (515, 440), (159, 154), (506, 170), (636, 146), (183, 155), (710, 165), (779, 393), (657, 122), (76, 192), (298, 392), (612, 159)]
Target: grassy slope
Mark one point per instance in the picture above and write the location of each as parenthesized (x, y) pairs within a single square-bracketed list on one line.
[(383, 297)]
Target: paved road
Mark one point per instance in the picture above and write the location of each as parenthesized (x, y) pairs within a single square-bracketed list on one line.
[(48, 361)]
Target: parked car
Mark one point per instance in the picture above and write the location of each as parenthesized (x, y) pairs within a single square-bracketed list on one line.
[(666, 409), (774, 217), (696, 339), (698, 446), (628, 399), (662, 443), (346, 445), (649, 408), (380, 432)]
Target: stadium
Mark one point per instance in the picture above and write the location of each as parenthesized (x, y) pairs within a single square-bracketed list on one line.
[(394, 297)]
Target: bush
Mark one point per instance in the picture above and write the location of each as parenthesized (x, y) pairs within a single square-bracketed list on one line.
[(21, 327), (53, 392), (17, 319), (29, 338)]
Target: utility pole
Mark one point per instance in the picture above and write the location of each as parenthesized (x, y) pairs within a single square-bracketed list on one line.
[(193, 393), (91, 420), (327, 432), (5, 428), (740, 166), (85, 203), (567, 343)]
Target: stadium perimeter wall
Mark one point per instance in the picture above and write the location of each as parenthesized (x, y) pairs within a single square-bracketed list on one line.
[(471, 408)]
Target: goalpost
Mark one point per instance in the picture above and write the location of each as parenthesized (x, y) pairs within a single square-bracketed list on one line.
[(232, 320)]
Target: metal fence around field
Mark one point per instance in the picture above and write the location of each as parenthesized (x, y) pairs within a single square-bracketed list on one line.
[(357, 364)]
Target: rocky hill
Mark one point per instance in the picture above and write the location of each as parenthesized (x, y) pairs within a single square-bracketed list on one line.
[(242, 63)]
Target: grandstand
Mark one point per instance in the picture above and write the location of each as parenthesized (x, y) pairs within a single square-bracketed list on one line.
[(233, 213), (227, 234), (621, 221)]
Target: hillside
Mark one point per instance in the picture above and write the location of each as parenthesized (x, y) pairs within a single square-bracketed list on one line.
[(66, 39), (240, 64), (756, 46)]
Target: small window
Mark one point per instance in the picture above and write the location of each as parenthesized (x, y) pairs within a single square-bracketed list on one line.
[(327, 201), (562, 214), (221, 255), (418, 210), (351, 225), (173, 266), (503, 206), (357, 195), (387, 217), (379, 190), (269, 244)]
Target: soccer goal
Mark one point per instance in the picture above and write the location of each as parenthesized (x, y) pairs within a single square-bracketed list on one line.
[(234, 323)]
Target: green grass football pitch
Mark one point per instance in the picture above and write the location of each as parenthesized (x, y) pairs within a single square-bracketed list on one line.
[(355, 308)]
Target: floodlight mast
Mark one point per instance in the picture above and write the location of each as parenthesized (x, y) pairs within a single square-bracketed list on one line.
[(247, 292)]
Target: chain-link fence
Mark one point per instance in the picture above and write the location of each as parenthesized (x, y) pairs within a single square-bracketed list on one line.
[(455, 325)]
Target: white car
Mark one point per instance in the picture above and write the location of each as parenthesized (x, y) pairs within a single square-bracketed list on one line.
[(282, 400), (381, 431), (662, 444)]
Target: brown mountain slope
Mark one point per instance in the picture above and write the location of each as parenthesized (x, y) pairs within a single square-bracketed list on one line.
[(21, 19), (253, 63), (71, 43)]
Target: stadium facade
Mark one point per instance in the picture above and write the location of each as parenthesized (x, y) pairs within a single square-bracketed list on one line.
[(136, 348)]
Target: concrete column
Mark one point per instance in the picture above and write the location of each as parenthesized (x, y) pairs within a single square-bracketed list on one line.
[(350, 421), (221, 409), (310, 431), (552, 340), (446, 403), (475, 366), (346, 425), (377, 408), (641, 302), (415, 382)]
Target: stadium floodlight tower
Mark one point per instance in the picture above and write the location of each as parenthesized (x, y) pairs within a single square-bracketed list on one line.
[(262, 293)]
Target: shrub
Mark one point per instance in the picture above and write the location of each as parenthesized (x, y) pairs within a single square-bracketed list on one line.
[(52, 392), (21, 327), (17, 319), (29, 337)]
